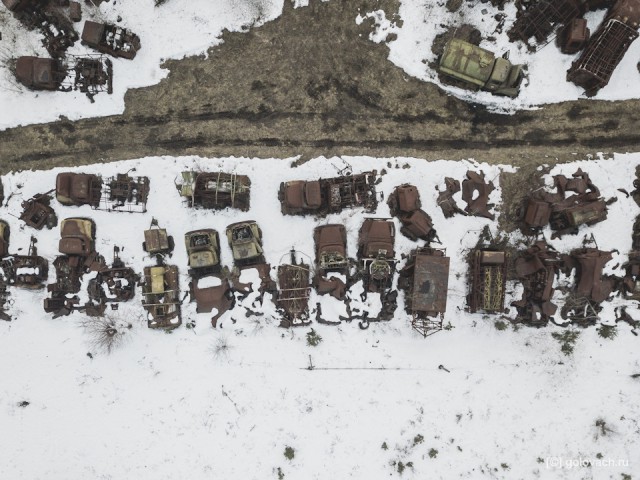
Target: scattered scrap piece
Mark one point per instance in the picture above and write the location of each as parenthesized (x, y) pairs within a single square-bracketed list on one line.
[(475, 192), (446, 201)]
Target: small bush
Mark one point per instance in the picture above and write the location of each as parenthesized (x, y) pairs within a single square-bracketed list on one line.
[(289, 453), (567, 340), (385, 446), (221, 348), (280, 473), (313, 339), (433, 453), (400, 467), (607, 331), (418, 439), (106, 333), (500, 325)]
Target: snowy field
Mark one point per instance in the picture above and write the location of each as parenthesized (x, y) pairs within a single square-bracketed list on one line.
[(190, 28), (225, 403)]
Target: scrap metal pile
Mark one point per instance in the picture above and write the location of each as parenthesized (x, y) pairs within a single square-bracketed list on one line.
[(423, 278), (601, 52), (89, 74), (565, 214)]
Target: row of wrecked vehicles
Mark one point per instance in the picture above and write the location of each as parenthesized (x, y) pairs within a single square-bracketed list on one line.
[(90, 74), (423, 277), (466, 64)]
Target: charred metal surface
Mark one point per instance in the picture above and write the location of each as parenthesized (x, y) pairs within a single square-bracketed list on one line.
[(536, 268), (293, 292), (475, 193), (38, 213), (591, 286), (488, 272), (161, 296), (424, 280), (565, 213), (215, 190), (404, 203), (329, 195), (110, 39)]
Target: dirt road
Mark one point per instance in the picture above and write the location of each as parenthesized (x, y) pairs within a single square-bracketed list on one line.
[(310, 83)]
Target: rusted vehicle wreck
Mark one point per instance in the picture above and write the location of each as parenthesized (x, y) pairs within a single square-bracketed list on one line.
[(536, 268), (591, 286), (215, 190), (293, 292), (404, 203), (331, 257), (90, 74), (161, 297), (424, 280), (37, 212), (488, 271), (565, 213), (328, 195), (26, 271), (110, 39)]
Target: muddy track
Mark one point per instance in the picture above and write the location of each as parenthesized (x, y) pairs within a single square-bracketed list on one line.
[(310, 84)]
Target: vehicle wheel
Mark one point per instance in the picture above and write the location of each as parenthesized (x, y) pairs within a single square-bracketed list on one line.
[(52, 221), (171, 243), (144, 246)]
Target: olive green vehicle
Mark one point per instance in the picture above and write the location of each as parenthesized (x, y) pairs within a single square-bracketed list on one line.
[(480, 68), (245, 240), (203, 248)]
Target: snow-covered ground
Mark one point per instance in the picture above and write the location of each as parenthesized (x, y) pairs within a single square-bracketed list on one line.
[(190, 28), (226, 402)]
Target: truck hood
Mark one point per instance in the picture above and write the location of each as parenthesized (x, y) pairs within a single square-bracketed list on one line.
[(202, 259), (74, 246)]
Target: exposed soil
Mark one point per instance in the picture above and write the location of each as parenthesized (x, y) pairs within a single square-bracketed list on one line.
[(311, 83)]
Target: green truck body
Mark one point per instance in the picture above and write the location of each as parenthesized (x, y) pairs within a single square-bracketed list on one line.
[(480, 68)]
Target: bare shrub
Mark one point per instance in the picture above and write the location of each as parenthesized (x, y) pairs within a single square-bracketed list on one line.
[(106, 333)]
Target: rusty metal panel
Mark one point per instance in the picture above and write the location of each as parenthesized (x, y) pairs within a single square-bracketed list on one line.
[(92, 33), (488, 257), (430, 283)]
